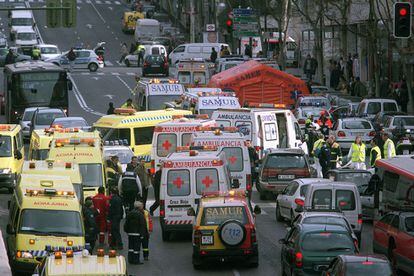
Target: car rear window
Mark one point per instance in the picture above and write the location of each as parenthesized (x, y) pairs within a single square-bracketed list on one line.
[(368, 268), (303, 190), (322, 199), (325, 220), (234, 158), (155, 59), (178, 182), (207, 180), (373, 108), (345, 199), (218, 215), (327, 242), (166, 143), (356, 125), (285, 161), (409, 224), (47, 118), (390, 107), (404, 121)]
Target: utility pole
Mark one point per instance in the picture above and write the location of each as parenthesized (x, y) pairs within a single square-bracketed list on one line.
[(192, 21)]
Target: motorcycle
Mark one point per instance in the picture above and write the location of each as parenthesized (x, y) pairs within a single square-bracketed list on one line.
[(100, 50)]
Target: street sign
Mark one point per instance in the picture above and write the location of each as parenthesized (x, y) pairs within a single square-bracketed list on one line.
[(210, 27), (237, 12), (245, 23)]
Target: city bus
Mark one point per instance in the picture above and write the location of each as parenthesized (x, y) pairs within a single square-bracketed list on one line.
[(32, 84)]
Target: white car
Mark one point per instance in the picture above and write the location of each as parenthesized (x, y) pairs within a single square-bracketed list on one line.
[(85, 59), (293, 196), (26, 37), (48, 51), (347, 129), (393, 122), (124, 154)]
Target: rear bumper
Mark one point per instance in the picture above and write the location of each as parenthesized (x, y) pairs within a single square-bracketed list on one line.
[(274, 187), (175, 227), (223, 255)]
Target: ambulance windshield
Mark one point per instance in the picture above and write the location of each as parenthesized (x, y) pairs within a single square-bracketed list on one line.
[(91, 174), (156, 102), (5, 146), (51, 222)]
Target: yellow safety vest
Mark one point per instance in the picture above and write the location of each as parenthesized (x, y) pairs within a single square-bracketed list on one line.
[(386, 145), (358, 153), (378, 151), (317, 145)]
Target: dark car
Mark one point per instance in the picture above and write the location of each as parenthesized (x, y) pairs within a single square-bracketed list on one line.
[(17, 57), (310, 248), (154, 65), (360, 265)]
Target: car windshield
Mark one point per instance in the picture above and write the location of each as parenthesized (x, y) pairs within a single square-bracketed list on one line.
[(49, 50), (51, 222), (156, 102), (409, 224), (124, 155), (47, 118), (91, 174), (28, 115), (70, 123), (285, 161), (356, 125), (359, 178), (218, 215), (22, 22), (368, 268), (316, 102), (308, 112), (26, 36), (403, 121), (5, 146), (327, 241)]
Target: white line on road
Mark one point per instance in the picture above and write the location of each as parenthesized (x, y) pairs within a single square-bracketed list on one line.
[(127, 86), (81, 100), (99, 14), (115, 74), (117, 3)]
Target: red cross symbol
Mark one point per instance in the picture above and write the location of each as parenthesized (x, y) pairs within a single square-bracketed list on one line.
[(178, 182), (232, 159), (166, 145), (207, 182)]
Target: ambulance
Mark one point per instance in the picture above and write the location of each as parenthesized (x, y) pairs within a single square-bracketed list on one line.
[(194, 72), (84, 148), (186, 176), (205, 100), (134, 128), (44, 215), (11, 155), (175, 133), (155, 94), (58, 168), (234, 145)]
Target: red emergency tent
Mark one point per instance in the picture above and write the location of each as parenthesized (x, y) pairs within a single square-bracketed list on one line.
[(254, 82)]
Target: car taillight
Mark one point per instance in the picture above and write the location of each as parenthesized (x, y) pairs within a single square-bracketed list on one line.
[(356, 243), (298, 259), (100, 58), (253, 235), (341, 134), (249, 182), (165, 62), (152, 170), (371, 134), (265, 174), (302, 121), (197, 237), (162, 208), (360, 219), (299, 201)]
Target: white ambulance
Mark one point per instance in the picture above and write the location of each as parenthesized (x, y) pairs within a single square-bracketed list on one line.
[(155, 94), (234, 145), (175, 133), (206, 100), (185, 177)]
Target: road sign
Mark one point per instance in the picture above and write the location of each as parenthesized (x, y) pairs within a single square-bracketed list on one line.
[(238, 12), (210, 27), (245, 22)]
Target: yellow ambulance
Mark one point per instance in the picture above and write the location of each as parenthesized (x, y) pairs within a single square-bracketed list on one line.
[(44, 215), (11, 155), (134, 128), (84, 148)]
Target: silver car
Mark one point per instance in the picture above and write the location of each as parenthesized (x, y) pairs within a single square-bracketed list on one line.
[(25, 121), (394, 122), (85, 59), (347, 129), (43, 118)]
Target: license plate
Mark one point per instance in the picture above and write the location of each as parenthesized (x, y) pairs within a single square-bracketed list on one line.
[(286, 176), (207, 240), (357, 134)]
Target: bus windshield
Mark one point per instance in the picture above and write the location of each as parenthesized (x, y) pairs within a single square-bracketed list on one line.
[(157, 102), (39, 88)]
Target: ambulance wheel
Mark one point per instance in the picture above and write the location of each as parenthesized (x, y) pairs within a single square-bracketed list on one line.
[(165, 235)]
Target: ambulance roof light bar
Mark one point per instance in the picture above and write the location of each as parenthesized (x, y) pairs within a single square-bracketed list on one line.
[(215, 93), (124, 111), (231, 193), (266, 105), (192, 116), (75, 141), (217, 130), (5, 127), (50, 164), (49, 192)]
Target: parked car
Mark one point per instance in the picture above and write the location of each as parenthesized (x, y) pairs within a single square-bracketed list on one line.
[(359, 265), (26, 119), (370, 107), (381, 117), (42, 118), (48, 51), (397, 122), (71, 122), (155, 65), (280, 167), (85, 59), (17, 57), (393, 237), (347, 129), (303, 113), (150, 49)]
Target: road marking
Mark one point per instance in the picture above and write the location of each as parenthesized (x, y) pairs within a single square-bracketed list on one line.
[(81, 100), (126, 85), (130, 74), (110, 8), (117, 3), (108, 2), (115, 74), (99, 14), (100, 74), (109, 96), (78, 8), (108, 63), (85, 73), (98, 2)]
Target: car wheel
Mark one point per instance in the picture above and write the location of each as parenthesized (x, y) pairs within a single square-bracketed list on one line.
[(127, 63), (93, 67), (165, 235), (279, 217)]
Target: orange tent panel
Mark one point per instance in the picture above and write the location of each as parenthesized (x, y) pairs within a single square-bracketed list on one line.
[(254, 82)]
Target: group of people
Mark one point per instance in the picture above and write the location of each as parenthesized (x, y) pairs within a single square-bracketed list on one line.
[(135, 48), (128, 195)]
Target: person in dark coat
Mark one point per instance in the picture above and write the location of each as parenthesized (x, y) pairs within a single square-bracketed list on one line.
[(10, 57), (213, 55), (335, 75), (156, 182), (116, 212), (91, 229), (136, 227), (111, 109), (403, 97), (325, 159)]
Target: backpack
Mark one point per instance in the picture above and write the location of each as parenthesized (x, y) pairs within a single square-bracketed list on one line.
[(129, 183), (71, 55)]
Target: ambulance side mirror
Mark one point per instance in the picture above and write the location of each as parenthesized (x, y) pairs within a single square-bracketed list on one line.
[(191, 212), (18, 155), (235, 184)]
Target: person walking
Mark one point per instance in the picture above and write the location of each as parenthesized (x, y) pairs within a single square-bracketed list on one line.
[(389, 147), (222, 51), (145, 240), (324, 159), (316, 151), (349, 67), (71, 56), (335, 152), (141, 53), (113, 171), (129, 187), (403, 97), (115, 215), (89, 218), (247, 50), (136, 228), (111, 109), (141, 171), (359, 88), (375, 153), (156, 183), (213, 55), (36, 53), (357, 154), (124, 52), (10, 58), (101, 204), (335, 75)]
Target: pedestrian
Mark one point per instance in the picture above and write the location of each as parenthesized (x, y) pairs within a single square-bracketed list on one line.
[(133, 47), (141, 54), (385, 87), (101, 205), (359, 88), (254, 160), (213, 55), (324, 159), (343, 85), (71, 56), (316, 151), (309, 67), (375, 153), (335, 75), (129, 187), (335, 152), (115, 215), (247, 50), (325, 123), (226, 51), (124, 52), (389, 147), (156, 183), (222, 51), (10, 57), (357, 154), (128, 104), (113, 171), (141, 171), (111, 109), (89, 218), (342, 66), (356, 70), (136, 228), (349, 66), (403, 97), (36, 53)]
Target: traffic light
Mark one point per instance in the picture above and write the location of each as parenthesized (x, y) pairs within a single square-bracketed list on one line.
[(69, 15), (53, 17), (229, 25), (402, 20)]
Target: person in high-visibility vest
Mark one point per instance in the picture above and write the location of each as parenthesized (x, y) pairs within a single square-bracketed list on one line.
[(357, 154), (389, 147), (336, 152), (375, 153), (145, 240), (36, 53), (315, 152)]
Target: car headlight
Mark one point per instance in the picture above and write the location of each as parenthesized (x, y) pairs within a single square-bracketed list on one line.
[(5, 171)]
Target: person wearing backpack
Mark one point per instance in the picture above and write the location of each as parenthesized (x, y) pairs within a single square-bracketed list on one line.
[(71, 55), (129, 187)]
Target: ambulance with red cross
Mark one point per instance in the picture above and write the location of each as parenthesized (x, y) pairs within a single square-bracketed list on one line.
[(234, 145), (175, 133), (185, 176)]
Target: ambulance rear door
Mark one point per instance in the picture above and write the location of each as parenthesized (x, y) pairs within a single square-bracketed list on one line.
[(268, 132), (163, 143)]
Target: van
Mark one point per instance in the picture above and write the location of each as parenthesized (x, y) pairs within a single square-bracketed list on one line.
[(194, 50), (19, 19), (343, 196), (194, 72), (185, 177), (26, 38), (146, 29), (370, 107), (129, 21)]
